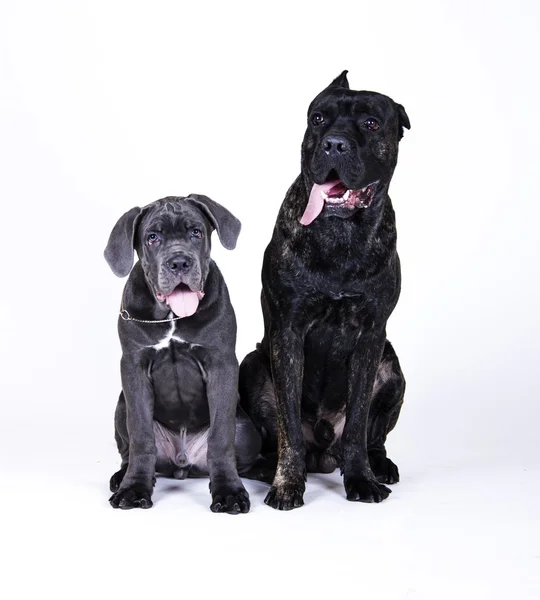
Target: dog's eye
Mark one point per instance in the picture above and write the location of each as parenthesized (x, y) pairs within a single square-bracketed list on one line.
[(317, 118), (371, 124), (196, 233), (152, 238)]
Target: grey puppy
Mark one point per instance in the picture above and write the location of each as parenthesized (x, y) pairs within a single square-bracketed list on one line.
[(178, 411)]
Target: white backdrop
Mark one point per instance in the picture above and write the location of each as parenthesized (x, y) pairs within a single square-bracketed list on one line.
[(108, 105)]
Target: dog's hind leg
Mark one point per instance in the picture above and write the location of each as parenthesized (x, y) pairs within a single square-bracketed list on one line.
[(258, 400), (386, 403), (122, 442), (247, 442), (263, 469)]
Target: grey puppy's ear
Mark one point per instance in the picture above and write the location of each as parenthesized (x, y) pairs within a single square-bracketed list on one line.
[(223, 221), (340, 81), (119, 250)]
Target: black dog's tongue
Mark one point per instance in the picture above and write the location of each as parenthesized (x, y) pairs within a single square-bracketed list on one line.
[(336, 193), (338, 188), (317, 196)]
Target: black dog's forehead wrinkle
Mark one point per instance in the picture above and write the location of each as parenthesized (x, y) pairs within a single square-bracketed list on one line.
[(346, 102)]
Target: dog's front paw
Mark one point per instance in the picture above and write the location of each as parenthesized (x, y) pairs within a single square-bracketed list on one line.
[(230, 499), (132, 496), (285, 496), (362, 489)]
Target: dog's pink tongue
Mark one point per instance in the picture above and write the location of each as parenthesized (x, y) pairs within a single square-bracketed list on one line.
[(183, 302), (316, 201)]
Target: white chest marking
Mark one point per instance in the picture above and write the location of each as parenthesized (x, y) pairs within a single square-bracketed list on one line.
[(169, 337)]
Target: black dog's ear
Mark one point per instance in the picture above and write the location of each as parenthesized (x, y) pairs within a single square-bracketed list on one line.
[(224, 222), (119, 250), (403, 119), (340, 81)]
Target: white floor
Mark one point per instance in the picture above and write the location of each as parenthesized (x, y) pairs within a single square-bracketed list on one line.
[(467, 531)]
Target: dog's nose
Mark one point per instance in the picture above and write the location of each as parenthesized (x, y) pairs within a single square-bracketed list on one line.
[(179, 263), (336, 145)]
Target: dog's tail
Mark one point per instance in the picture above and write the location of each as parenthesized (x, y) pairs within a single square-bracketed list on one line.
[(324, 433)]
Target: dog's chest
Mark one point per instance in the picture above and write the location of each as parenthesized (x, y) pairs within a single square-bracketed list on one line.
[(178, 375), (331, 338), (342, 314)]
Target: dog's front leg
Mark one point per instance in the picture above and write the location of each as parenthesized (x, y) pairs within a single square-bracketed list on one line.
[(360, 482), (135, 491), (287, 364), (228, 493)]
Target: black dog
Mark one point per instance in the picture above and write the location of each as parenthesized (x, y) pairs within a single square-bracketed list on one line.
[(178, 411), (325, 387)]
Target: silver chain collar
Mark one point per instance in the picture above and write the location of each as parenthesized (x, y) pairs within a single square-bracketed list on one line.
[(127, 317)]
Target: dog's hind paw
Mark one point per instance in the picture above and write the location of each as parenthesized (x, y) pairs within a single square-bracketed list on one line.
[(361, 489), (117, 478), (384, 469), (133, 496), (230, 500), (285, 497)]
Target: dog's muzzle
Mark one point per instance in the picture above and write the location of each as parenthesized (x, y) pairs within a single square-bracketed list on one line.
[(335, 193), (180, 274)]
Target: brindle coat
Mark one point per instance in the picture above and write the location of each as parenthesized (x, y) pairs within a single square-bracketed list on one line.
[(325, 387)]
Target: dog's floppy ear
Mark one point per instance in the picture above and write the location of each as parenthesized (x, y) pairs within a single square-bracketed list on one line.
[(223, 221), (340, 81), (119, 250), (403, 119)]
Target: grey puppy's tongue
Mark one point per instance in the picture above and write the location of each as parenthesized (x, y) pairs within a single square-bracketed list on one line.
[(183, 302), (316, 199)]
